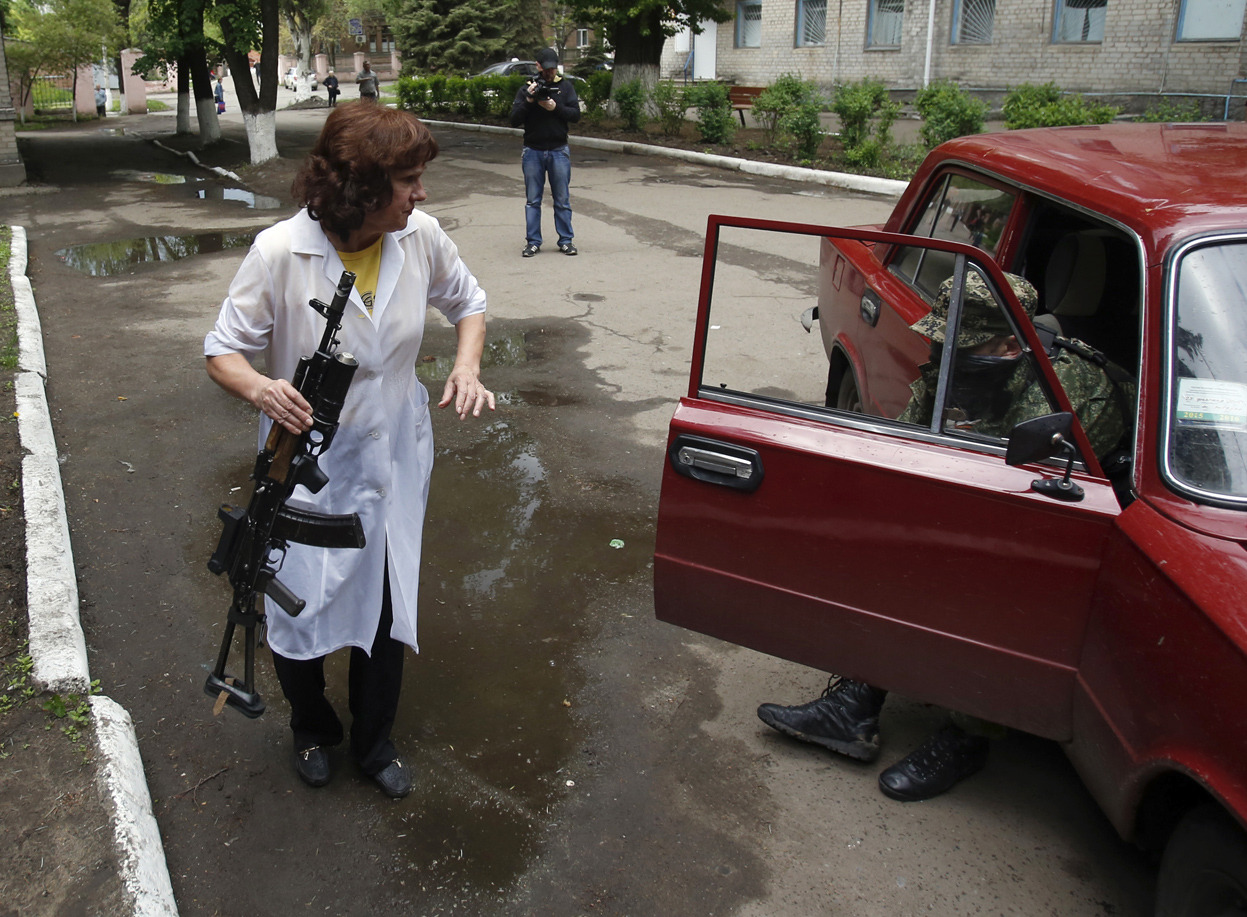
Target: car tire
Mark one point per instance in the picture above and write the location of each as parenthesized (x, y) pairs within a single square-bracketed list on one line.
[(848, 396), (1203, 872)]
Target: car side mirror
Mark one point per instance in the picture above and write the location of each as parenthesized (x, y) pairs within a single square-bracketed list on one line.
[(1043, 438)]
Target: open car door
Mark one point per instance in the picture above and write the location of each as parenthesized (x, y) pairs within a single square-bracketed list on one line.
[(906, 554)]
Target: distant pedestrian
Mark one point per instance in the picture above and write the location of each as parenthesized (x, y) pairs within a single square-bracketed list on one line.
[(101, 100), (219, 94), (544, 106), (331, 84), (369, 87)]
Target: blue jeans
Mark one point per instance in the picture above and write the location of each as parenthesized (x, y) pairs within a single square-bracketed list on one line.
[(537, 165)]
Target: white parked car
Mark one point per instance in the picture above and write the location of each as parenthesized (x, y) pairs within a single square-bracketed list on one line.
[(291, 80)]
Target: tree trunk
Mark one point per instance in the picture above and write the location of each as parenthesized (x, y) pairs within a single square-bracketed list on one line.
[(205, 100), (258, 109), (638, 50), (184, 95)]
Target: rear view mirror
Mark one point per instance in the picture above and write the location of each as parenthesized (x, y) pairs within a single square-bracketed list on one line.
[(1043, 438)]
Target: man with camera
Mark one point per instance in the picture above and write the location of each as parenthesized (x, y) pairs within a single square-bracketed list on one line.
[(544, 107)]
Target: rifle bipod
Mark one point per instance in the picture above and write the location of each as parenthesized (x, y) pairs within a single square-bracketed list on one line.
[(227, 689)]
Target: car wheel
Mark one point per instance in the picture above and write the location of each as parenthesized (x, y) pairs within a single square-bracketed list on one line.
[(1203, 872), (848, 398)]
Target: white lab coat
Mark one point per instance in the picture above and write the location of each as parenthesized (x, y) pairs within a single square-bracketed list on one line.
[(380, 460)]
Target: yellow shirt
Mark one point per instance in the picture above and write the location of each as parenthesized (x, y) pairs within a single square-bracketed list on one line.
[(365, 265)]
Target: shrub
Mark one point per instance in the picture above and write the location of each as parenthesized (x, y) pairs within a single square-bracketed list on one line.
[(715, 123), (630, 97), (865, 108), (670, 104), (596, 92), (948, 111), (1031, 105), (788, 111), (1167, 110)]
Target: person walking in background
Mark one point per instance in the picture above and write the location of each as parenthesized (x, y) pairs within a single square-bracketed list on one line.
[(369, 87), (101, 100), (544, 107), (331, 84), (360, 188), (219, 94)]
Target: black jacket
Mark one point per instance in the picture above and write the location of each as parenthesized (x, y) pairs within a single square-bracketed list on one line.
[(546, 130)]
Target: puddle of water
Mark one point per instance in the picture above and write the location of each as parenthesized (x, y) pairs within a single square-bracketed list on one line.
[(158, 178), (507, 351), (250, 198), (103, 259)]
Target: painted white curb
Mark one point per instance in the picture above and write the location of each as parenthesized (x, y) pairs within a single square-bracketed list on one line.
[(57, 646), (144, 874), (867, 183)]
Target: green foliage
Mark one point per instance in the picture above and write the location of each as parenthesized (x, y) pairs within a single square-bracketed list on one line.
[(670, 104), (1167, 110), (431, 96), (452, 36), (1033, 105), (591, 58), (948, 111), (866, 114), (788, 111), (75, 708), (8, 310), (715, 122), (595, 93), (637, 29), (15, 684), (630, 97)]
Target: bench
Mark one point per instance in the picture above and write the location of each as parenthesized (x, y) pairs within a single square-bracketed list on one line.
[(742, 98)]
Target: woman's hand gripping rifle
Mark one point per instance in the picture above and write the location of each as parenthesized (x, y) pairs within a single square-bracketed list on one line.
[(254, 541)]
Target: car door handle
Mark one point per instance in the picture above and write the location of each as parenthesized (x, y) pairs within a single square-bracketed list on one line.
[(716, 463)]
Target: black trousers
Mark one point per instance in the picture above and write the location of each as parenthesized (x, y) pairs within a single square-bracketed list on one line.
[(374, 683)]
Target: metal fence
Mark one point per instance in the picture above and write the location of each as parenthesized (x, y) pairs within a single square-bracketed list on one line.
[(52, 93)]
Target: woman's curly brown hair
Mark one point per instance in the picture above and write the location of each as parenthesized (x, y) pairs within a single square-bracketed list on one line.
[(346, 176)]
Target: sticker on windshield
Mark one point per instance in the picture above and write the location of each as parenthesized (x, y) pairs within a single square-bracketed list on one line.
[(1208, 402)]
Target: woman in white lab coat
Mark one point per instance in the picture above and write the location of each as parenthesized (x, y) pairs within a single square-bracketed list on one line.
[(359, 186)]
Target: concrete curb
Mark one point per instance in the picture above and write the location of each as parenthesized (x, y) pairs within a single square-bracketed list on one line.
[(886, 187), (57, 645)]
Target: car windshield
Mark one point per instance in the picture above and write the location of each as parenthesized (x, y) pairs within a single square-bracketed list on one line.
[(1206, 448)]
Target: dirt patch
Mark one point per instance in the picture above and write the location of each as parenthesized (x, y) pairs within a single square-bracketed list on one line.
[(58, 856)]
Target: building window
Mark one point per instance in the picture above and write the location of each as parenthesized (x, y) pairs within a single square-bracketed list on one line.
[(972, 21), (1210, 20), (1079, 20), (749, 23), (811, 23), (582, 38), (883, 23)]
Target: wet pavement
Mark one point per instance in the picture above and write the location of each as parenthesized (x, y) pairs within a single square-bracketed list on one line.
[(571, 754)]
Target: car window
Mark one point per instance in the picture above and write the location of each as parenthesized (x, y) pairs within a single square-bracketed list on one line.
[(756, 351), (1206, 434), (958, 208)]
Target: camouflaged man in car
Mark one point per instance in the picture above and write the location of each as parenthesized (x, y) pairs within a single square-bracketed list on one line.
[(992, 392)]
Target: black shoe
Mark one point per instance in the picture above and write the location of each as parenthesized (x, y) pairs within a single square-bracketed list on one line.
[(530, 250), (567, 248), (845, 718), (394, 779), (935, 766), (312, 765)]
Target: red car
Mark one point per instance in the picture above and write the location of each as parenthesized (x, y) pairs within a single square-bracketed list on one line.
[(1012, 574)]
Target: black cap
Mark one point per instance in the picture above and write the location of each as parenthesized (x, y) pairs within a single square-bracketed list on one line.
[(547, 58)]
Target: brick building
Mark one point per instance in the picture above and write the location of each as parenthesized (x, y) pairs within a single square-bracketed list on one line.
[(1128, 48), (12, 170)]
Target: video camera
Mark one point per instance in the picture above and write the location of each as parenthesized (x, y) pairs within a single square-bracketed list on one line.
[(538, 88)]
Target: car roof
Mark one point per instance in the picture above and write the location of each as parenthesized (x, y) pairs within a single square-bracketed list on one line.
[(1164, 181)]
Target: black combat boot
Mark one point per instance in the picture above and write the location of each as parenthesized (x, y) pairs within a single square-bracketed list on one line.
[(845, 718), (935, 766)]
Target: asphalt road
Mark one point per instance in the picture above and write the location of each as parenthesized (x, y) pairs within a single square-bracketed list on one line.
[(572, 755)]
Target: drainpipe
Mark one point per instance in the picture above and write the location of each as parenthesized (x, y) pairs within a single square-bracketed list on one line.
[(926, 70)]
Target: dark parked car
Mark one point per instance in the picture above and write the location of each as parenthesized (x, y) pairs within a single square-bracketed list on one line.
[(799, 517), (507, 68)]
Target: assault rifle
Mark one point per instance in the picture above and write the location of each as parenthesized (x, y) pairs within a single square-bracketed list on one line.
[(254, 541)]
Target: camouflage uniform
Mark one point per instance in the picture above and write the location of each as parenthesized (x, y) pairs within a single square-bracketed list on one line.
[(1100, 405)]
